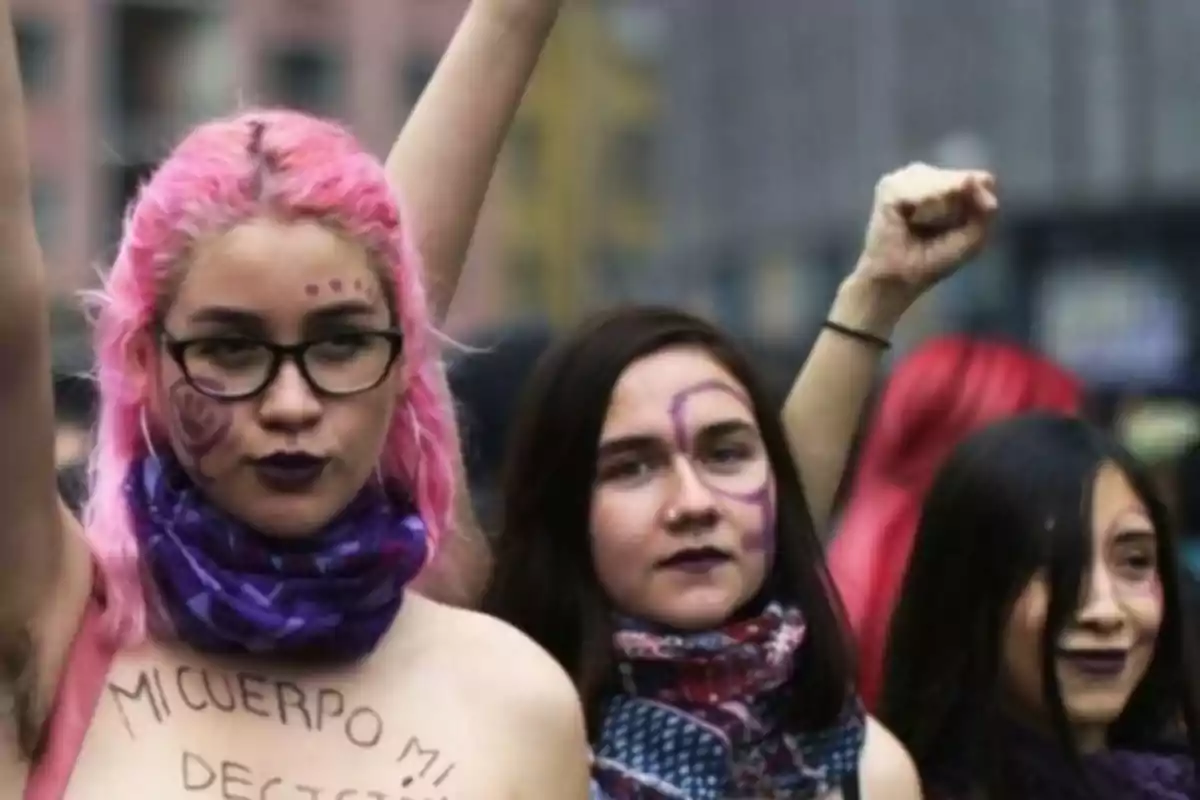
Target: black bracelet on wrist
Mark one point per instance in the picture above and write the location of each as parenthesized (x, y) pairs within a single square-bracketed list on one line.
[(854, 333)]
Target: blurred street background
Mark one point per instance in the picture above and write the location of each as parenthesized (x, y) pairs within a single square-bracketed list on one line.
[(717, 154)]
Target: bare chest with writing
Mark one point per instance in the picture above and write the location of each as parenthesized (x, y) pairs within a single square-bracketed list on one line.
[(170, 729)]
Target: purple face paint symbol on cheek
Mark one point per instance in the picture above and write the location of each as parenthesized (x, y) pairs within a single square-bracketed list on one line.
[(200, 422), (762, 540), (760, 497), (335, 286), (1145, 588), (312, 290), (754, 541)]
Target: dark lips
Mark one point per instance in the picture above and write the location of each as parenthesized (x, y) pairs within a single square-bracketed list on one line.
[(290, 472), (696, 560), (1096, 663)]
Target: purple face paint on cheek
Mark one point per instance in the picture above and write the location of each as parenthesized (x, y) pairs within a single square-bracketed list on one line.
[(1150, 587), (761, 496), (199, 422), (312, 290), (335, 286), (763, 540)]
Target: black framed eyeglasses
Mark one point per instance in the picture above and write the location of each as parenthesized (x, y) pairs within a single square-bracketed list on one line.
[(239, 367)]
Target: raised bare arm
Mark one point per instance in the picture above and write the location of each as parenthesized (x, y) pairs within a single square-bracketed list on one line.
[(31, 521), (825, 403), (444, 159), (926, 222), (441, 165)]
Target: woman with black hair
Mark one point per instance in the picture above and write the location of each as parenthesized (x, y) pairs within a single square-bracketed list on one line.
[(657, 539), (1039, 648)]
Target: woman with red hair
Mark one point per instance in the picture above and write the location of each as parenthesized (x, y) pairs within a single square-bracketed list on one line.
[(945, 390)]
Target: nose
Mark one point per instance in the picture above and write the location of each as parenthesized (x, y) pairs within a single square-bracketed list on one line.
[(691, 506), (289, 403), (1100, 612)]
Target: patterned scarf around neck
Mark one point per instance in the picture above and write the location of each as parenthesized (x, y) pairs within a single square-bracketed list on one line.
[(1039, 769), (699, 718), (223, 588)]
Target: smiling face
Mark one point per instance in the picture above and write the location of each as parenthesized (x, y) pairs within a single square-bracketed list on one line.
[(1104, 652), (266, 283), (683, 510)]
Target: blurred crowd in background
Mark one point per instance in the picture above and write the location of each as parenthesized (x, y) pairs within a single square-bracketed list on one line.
[(718, 155)]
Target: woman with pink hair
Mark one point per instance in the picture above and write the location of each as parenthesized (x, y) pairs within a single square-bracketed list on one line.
[(275, 464), (943, 391)]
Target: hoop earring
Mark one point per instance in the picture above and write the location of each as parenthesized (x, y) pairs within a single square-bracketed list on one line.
[(146, 438)]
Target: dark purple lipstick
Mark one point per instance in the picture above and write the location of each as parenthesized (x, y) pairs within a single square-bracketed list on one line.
[(696, 560), (290, 471), (1097, 663)]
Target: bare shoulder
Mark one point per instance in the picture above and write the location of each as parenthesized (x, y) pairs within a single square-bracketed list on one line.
[(519, 682), (504, 655), (886, 771)]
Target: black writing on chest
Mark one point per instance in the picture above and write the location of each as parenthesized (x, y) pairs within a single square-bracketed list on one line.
[(232, 780), (159, 694)]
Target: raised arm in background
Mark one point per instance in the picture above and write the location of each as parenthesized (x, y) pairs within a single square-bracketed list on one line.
[(441, 165), (444, 158), (44, 578), (926, 222)]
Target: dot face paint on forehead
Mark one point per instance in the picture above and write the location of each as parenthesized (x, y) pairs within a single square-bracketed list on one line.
[(753, 488), (338, 287)]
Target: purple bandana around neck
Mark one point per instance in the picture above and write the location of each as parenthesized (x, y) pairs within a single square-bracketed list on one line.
[(1038, 768), (224, 588)]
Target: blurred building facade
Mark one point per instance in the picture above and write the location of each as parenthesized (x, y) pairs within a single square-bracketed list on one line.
[(780, 118), (581, 199), (736, 175), (717, 154), (111, 85)]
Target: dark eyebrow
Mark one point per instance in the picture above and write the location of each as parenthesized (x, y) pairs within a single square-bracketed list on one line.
[(228, 316), (1135, 535), (643, 442), (718, 430), (627, 444), (248, 321), (344, 310)]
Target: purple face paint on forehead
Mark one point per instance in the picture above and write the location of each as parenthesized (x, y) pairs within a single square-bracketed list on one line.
[(679, 426), (761, 496), (338, 286)]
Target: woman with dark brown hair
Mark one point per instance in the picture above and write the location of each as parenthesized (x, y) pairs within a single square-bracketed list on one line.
[(657, 538), (1041, 648), (934, 398)]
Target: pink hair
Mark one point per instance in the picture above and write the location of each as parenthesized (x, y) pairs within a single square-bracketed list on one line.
[(942, 392), (206, 186)]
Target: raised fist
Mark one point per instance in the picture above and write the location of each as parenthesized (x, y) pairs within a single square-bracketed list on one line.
[(925, 223)]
